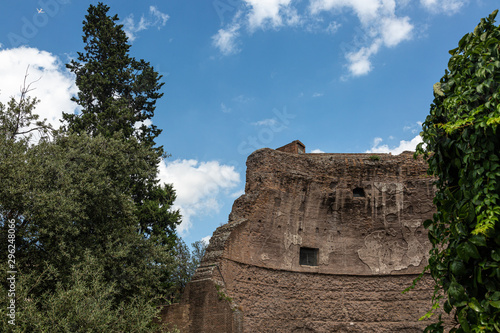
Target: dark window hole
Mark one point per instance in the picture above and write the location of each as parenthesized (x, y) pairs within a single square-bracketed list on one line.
[(308, 256), (358, 192)]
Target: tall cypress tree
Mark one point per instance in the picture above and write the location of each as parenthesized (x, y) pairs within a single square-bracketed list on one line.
[(117, 92), (118, 98)]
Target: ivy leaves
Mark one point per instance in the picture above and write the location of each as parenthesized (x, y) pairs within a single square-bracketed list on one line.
[(462, 147)]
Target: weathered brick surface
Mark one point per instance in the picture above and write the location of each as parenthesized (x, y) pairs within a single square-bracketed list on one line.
[(283, 301), (295, 147), (364, 216), (202, 310)]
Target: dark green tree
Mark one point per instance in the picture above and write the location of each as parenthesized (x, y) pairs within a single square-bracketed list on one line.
[(84, 302), (94, 228), (118, 95), (76, 235), (116, 92), (462, 146)]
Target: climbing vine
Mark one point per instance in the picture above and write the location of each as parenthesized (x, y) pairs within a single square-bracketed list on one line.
[(461, 143)]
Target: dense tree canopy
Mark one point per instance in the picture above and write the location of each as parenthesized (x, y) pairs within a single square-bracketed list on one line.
[(95, 232), (462, 145), (118, 96), (76, 227)]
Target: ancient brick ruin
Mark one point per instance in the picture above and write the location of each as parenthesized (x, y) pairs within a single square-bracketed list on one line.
[(318, 243)]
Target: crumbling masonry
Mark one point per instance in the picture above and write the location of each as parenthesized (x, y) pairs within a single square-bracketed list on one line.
[(318, 243)]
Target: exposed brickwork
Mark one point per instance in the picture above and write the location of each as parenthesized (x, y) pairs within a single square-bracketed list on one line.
[(281, 301), (295, 147), (203, 309), (364, 216)]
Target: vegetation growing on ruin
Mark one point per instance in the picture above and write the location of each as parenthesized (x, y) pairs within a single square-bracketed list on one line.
[(461, 143), (96, 248), (222, 295)]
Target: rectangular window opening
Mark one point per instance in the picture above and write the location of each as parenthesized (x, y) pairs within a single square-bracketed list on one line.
[(308, 256)]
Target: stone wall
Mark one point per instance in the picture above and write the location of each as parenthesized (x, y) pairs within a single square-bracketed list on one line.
[(356, 217), (295, 147), (283, 301), (203, 309)]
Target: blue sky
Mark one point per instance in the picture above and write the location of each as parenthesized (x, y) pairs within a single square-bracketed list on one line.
[(339, 75)]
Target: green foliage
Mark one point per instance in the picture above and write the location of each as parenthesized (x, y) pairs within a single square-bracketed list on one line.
[(95, 231), (186, 264), (375, 158), (118, 96), (18, 120), (222, 295), (84, 303), (70, 197), (116, 92), (462, 147)]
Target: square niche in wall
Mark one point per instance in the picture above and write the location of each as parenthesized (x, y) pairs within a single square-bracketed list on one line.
[(308, 256)]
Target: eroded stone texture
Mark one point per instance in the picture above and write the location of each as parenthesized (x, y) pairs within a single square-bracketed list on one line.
[(361, 214)]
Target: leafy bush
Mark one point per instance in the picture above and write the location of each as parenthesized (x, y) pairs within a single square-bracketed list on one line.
[(462, 146), (85, 303)]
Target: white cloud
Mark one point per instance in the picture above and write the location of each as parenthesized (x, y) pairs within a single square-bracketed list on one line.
[(225, 40), (317, 94), (364, 9), (54, 85), (359, 62), (160, 18), (271, 12), (199, 186), (156, 19), (380, 25), (443, 6), (266, 122), (403, 146), (317, 151), (258, 14), (379, 22), (395, 30), (206, 239)]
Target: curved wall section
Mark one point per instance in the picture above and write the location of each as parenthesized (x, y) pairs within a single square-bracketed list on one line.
[(318, 243)]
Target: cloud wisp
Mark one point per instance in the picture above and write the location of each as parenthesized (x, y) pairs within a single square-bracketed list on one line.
[(155, 19), (380, 24), (226, 39), (253, 15), (266, 122), (448, 7)]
